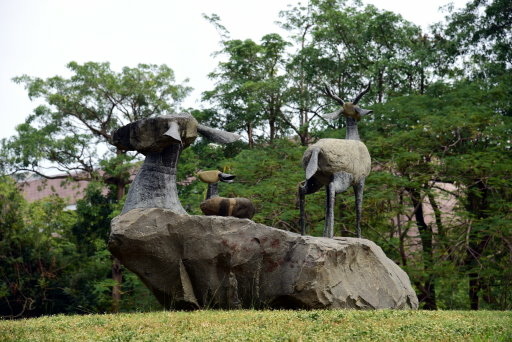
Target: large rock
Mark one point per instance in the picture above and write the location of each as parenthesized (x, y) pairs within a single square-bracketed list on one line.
[(223, 262)]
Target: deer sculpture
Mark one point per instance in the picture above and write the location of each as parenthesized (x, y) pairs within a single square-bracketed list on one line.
[(337, 164)]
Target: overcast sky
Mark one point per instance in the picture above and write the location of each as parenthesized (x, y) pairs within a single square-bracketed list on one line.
[(39, 37)]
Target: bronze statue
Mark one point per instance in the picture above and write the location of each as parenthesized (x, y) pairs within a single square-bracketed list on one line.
[(222, 206), (161, 139), (337, 164)]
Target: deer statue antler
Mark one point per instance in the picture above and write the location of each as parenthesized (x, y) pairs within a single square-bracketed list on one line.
[(358, 97), (330, 93)]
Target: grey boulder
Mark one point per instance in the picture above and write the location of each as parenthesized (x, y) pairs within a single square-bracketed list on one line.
[(193, 262)]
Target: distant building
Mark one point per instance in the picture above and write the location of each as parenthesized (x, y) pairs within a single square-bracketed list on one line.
[(35, 188)]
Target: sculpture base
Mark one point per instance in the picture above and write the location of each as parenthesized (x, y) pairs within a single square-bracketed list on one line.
[(193, 262)]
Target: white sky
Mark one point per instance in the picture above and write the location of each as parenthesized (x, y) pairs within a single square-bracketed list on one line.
[(39, 37)]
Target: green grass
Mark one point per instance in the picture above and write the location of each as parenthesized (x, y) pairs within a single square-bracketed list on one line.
[(333, 325)]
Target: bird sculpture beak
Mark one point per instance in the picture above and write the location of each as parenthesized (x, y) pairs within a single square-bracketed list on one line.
[(362, 112), (226, 178), (174, 131)]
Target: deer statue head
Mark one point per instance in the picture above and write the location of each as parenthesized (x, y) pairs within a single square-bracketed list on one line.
[(348, 109)]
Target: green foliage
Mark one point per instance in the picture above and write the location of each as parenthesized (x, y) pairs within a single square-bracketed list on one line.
[(481, 33), (36, 253), (53, 260), (81, 111), (71, 135), (440, 132), (451, 135), (90, 285), (250, 85), (269, 176), (347, 45)]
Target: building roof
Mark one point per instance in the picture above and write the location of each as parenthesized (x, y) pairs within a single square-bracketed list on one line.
[(35, 188)]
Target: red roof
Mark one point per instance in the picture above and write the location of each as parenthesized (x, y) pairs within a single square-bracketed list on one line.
[(35, 188)]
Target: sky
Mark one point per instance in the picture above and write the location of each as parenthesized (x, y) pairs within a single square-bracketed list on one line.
[(40, 37)]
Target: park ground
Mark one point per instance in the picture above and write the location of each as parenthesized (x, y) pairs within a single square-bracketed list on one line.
[(251, 325)]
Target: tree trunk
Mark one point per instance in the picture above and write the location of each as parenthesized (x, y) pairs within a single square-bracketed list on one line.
[(401, 233), (422, 81), (437, 214), (117, 275), (380, 86), (428, 292), (272, 116), (249, 135), (303, 114), (477, 204), (272, 124), (474, 288), (304, 138)]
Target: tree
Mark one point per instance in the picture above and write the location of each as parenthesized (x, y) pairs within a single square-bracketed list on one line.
[(36, 253), (481, 35), (452, 134), (249, 89), (71, 134), (347, 45)]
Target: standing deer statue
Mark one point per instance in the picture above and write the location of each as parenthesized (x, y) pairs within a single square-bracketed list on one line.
[(337, 164)]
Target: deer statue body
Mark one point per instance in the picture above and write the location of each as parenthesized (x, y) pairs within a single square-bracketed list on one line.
[(337, 164)]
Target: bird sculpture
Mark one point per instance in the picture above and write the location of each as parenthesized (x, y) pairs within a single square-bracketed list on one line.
[(161, 139), (222, 206)]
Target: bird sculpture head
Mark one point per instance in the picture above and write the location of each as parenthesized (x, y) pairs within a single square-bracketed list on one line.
[(154, 134), (215, 176)]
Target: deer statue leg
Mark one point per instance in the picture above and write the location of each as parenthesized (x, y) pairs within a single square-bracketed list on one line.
[(307, 187), (302, 199), (339, 183), (358, 190), (330, 196)]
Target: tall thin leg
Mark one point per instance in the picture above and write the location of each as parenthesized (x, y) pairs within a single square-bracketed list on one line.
[(302, 219), (358, 190), (305, 188), (330, 196)]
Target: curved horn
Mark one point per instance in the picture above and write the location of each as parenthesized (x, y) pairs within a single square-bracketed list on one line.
[(328, 92), (333, 115), (216, 135), (358, 97)]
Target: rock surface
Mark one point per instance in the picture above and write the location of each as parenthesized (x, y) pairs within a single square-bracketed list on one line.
[(192, 262)]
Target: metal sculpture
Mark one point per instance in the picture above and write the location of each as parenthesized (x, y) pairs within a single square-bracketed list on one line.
[(222, 206), (337, 164), (161, 139)]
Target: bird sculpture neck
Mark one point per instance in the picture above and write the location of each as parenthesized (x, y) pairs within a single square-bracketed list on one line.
[(352, 132), (155, 183), (212, 191)]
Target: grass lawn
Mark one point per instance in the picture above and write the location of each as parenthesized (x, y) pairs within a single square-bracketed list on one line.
[(248, 325)]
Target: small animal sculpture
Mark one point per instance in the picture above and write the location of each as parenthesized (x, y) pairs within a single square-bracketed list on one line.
[(222, 206), (212, 178), (337, 164)]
